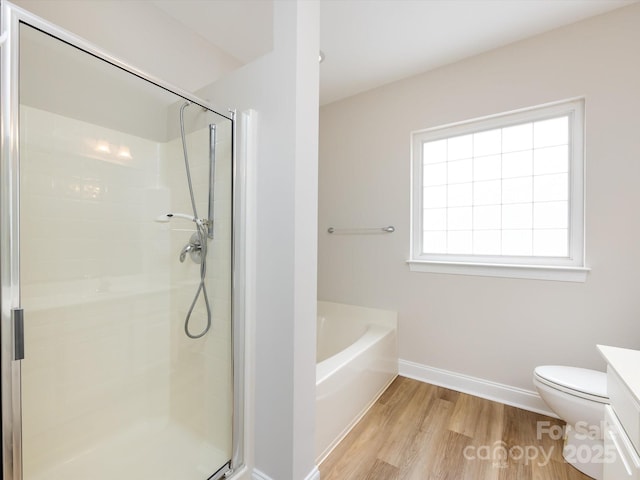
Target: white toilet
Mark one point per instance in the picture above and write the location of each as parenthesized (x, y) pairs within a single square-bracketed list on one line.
[(577, 396)]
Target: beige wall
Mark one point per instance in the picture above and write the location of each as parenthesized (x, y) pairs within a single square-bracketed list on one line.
[(497, 329)]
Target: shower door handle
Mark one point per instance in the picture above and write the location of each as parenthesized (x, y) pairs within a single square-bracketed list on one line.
[(212, 178), (18, 333)]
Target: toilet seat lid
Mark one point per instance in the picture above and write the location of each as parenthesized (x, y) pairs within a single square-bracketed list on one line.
[(579, 380)]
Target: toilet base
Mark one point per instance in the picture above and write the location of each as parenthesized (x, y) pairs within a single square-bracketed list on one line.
[(583, 453)]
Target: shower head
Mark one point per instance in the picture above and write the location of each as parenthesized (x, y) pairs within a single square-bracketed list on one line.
[(165, 218)]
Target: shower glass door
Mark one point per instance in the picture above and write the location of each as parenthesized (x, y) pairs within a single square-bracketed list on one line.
[(113, 383)]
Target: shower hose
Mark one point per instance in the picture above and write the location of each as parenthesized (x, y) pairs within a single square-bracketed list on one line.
[(202, 231)]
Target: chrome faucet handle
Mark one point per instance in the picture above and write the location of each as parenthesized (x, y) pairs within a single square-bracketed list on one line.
[(193, 248), (186, 249)]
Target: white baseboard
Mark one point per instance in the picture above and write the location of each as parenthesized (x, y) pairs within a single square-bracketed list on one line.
[(516, 397), (314, 474), (258, 475)]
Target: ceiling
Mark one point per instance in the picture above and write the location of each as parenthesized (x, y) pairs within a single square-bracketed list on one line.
[(368, 43), (242, 28)]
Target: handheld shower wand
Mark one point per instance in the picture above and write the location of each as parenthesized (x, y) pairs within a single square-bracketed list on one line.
[(181, 215), (200, 222), (168, 216)]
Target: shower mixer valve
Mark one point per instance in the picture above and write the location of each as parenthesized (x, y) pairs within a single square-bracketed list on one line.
[(193, 248)]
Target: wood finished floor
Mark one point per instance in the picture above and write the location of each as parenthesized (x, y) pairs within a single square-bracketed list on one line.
[(417, 431)]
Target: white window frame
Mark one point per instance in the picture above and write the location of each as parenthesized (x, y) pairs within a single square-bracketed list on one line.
[(570, 268)]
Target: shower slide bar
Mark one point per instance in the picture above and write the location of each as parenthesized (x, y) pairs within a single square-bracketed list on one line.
[(360, 231)]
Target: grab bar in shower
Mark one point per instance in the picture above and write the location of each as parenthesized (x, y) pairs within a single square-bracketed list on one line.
[(360, 231)]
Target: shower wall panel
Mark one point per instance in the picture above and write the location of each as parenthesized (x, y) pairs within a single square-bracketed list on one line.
[(200, 370), (98, 343)]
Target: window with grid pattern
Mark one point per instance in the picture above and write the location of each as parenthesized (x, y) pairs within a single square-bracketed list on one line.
[(506, 189)]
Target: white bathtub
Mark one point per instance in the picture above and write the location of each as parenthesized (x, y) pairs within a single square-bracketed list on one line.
[(357, 358)]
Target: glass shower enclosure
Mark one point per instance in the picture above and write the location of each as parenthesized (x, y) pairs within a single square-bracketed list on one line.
[(116, 268)]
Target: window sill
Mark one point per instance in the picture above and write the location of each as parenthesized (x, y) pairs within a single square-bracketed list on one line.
[(533, 272)]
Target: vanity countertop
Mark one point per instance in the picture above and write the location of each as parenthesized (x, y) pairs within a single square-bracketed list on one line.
[(626, 363)]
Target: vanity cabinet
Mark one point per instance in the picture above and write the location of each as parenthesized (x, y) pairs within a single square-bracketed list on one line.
[(622, 416), (621, 458)]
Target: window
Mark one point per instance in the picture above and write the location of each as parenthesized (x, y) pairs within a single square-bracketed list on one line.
[(501, 195)]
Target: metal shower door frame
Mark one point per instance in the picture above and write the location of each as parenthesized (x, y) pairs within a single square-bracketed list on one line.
[(10, 301)]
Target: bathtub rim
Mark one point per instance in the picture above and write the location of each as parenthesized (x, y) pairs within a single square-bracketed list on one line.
[(373, 334)]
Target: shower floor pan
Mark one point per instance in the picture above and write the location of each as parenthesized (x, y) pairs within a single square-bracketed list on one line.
[(166, 452)]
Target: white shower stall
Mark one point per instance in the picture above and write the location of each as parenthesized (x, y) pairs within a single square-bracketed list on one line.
[(101, 374)]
